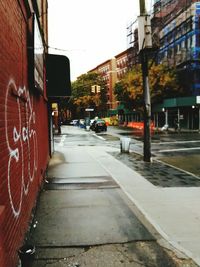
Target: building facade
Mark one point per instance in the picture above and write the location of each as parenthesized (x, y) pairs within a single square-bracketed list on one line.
[(176, 36), (179, 40), (112, 71), (167, 10), (180, 47), (24, 146), (122, 64), (108, 72)]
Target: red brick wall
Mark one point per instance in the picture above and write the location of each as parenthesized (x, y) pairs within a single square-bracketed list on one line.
[(23, 134)]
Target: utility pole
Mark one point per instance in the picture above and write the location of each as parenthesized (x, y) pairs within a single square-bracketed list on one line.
[(145, 44)]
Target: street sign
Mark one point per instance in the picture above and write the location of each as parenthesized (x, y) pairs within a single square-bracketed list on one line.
[(89, 109)]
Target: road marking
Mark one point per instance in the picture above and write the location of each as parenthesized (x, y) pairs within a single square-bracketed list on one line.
[(177, 142), (179, 149), (100, 137)]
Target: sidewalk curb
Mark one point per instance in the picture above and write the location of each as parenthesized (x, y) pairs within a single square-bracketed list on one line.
[(164, 239)]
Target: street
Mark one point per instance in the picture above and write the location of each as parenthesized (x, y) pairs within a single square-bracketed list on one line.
[(83, 217)]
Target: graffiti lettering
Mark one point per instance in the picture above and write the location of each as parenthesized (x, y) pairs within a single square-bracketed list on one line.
[(21, 139)]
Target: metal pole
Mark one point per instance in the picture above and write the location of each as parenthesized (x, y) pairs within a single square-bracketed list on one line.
[(179, 120), (166, 117), (192, 122), (147, 107), (199, 119), (144, 44)]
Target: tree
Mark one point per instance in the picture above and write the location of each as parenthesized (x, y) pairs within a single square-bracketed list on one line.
[(83, 97), (162, 81)]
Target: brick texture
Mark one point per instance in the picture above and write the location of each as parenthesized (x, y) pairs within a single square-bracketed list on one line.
[(23, 134)]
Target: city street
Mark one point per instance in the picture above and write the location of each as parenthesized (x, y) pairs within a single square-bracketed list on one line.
[(76, 191), (84, 218)]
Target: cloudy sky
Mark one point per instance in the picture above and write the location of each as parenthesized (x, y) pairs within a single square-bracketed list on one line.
[(89, 32)]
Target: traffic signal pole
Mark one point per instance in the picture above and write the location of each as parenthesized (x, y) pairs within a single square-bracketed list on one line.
[(145, 44), (147, 108)]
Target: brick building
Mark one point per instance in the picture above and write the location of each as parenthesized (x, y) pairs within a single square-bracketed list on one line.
[(24, 146), (112, 71), (122, 64), (108, 71)]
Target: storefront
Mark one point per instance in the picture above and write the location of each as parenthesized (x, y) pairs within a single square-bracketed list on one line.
[(184, 111)]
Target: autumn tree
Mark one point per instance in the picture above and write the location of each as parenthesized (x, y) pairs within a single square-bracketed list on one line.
[(83, 97), (162, 82)]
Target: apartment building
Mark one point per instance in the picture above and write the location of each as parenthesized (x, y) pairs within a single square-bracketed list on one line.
[(122, 64), (180, 47), (168, 9), (108, 72), (176, 33)]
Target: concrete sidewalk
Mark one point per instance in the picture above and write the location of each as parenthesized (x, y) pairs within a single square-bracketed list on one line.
[(174, 212)]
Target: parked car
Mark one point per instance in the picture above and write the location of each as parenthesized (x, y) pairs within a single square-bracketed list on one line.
[(98, 126), (74, 122), (91, 121), (82, 123)]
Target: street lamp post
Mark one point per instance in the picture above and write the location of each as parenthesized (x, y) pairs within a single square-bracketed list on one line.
[(166, 125), (199, 118)]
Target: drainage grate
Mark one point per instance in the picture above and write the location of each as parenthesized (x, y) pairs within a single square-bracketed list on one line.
[(97, 182)]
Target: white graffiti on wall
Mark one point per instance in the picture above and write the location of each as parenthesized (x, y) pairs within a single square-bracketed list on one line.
[(21, 139)]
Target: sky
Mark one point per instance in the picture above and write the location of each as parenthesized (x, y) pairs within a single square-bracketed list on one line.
[(90, 32)]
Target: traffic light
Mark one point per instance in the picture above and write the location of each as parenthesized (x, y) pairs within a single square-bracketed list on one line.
[(95, 88), (98, 88)]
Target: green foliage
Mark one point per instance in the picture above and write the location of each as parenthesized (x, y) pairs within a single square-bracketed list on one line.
[(162, 82), (82, 96)]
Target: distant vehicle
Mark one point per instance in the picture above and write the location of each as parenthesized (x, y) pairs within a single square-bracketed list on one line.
[(91, 121), (82, 123), (98, 126), (74, 122)]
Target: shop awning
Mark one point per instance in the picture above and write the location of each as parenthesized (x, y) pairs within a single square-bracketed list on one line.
[(58, 76), (176, 102), (123, 110)]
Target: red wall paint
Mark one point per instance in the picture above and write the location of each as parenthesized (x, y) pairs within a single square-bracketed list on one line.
[(23, 134)]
